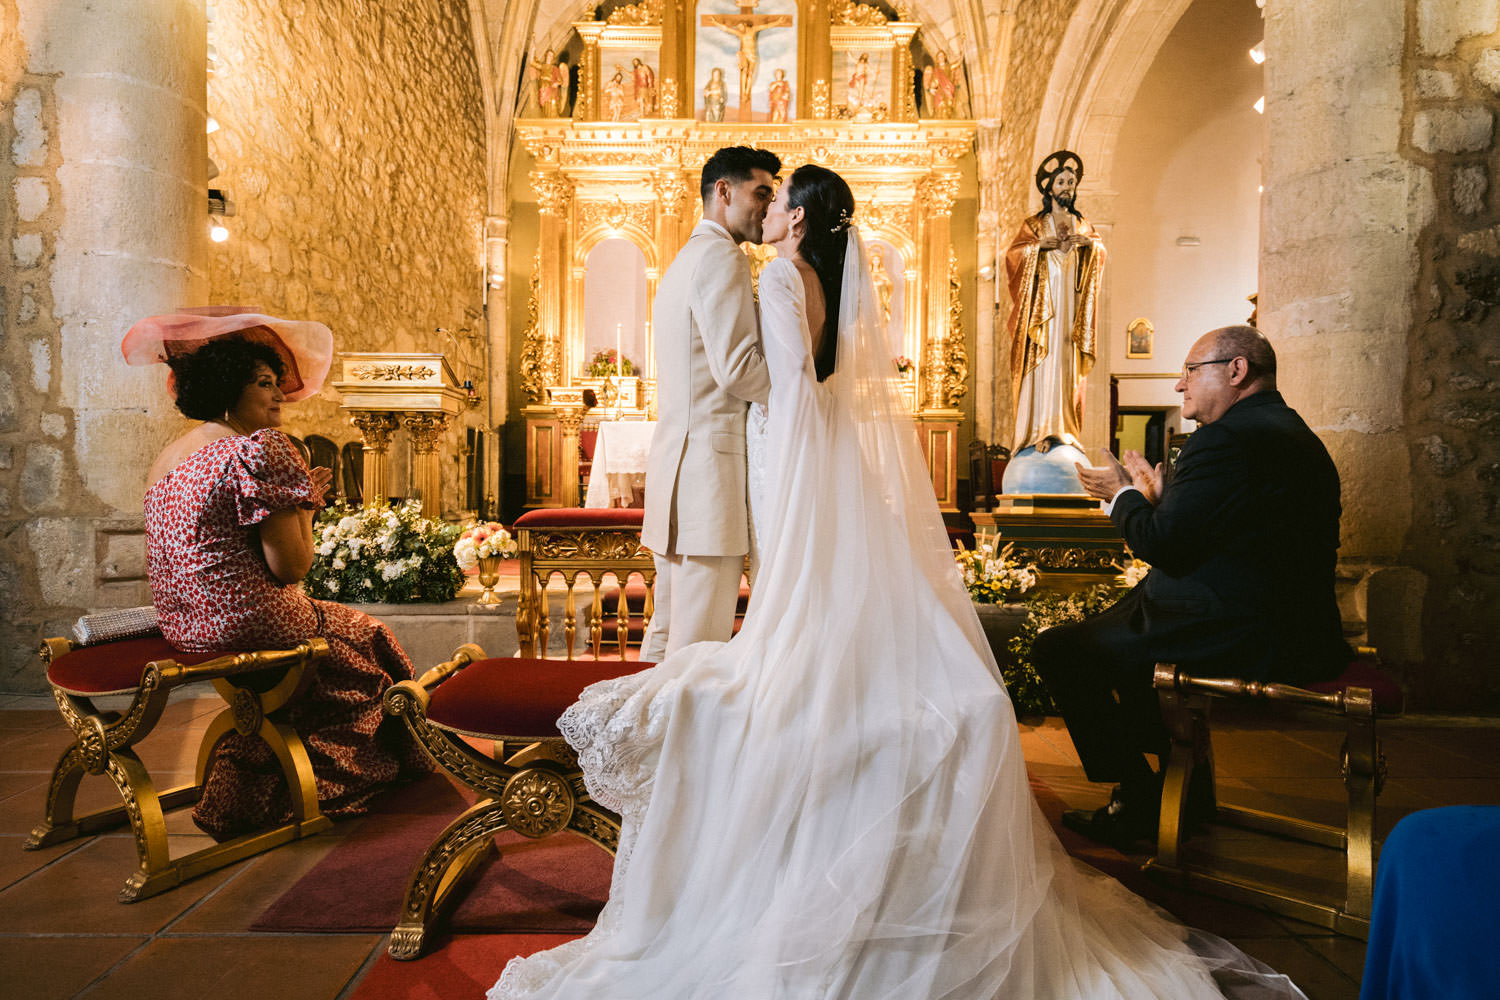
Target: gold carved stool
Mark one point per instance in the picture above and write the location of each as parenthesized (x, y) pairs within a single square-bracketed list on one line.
[(256, 687), (1353, 703)]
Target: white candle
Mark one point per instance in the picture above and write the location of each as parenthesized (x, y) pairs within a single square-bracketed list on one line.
[(619, 349)]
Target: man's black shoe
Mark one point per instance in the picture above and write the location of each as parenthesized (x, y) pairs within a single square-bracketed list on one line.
[(1116, 824)]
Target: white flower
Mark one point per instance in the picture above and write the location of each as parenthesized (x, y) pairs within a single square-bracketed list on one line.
[(390, 570), (327, 547), (332, 585), (348, 525), (338, 563)]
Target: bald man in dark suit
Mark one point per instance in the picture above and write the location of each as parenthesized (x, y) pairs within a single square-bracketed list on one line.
[(1242, 543)]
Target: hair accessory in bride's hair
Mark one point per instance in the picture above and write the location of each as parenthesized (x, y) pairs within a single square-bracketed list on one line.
[(846, 219)]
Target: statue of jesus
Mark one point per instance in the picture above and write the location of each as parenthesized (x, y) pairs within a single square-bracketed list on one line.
[(746, 26)]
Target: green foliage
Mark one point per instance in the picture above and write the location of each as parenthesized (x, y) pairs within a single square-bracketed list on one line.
[(1043, 611), (386, 554)]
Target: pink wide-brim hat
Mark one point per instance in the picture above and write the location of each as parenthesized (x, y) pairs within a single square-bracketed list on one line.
[(305, 346)]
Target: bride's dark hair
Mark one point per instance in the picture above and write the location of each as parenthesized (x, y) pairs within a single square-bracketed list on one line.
[(828, 209)]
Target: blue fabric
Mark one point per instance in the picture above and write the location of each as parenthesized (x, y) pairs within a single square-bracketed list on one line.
[(1435, 931)]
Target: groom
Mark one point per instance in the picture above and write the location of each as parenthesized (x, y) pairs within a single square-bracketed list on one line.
[(709, 369)]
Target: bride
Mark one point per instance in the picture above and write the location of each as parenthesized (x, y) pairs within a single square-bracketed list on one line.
[(834, 804)]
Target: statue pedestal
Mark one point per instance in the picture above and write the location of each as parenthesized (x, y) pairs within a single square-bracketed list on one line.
[(1073, 543)]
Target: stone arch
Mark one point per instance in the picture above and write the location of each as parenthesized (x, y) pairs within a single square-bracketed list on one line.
[(1105, 53)]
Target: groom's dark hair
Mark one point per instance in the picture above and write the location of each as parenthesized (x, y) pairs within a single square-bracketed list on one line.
[(736, 163)]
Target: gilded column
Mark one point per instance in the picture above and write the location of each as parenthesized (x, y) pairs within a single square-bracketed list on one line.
[(554, 194), (570, 419), (815, 93), (938, 192), (586, 107), (671, 201), (903, 98), (426, 430), (673, 64), (375, 430)]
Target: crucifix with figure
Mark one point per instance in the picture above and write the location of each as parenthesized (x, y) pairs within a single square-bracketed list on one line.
[(746, 26)]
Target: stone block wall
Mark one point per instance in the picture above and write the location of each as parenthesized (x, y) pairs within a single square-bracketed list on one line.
[(351, 140), (1451, 392)]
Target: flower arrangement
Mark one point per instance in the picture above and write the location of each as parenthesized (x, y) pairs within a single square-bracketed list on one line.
[(482, 540), (993, 577), (388, 554), (903, 364), (604, 364), (1027, 691)]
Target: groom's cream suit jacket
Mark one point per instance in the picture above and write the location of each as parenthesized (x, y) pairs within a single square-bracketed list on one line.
[(709, 368)]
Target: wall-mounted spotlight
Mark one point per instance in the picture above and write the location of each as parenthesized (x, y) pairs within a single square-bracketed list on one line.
[(1258, 52), (1260, 105), (219, 208)]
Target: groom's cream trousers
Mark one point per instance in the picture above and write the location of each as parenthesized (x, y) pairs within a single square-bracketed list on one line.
[(695, 598)]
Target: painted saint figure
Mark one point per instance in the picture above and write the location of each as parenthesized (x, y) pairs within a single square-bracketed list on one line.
[(715, 96), (614, 95), (881, 278), (1054, 269), (780, 97), (938, 81), (861, 85), (544, 76), (644, 80)]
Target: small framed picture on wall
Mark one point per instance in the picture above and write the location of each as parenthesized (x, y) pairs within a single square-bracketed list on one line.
[(1139, 338)]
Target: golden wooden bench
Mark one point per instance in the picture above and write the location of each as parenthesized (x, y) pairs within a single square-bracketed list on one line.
[(530, 783), (1354, 702), (256, 687)]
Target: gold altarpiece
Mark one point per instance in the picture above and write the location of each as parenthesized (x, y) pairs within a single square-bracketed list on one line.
[(597, 178)]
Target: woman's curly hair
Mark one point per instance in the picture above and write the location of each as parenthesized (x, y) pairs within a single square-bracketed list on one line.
[(211, 379)]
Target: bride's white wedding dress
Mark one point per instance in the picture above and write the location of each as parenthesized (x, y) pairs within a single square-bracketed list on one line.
[(834, 804)]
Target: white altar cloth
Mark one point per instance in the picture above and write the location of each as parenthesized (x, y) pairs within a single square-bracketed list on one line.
[(618, 476)]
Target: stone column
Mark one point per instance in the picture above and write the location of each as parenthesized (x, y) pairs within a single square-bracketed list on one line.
[(426, 430), (104, 181), (375, 430), (118, 92), (1338, 218), (497, 267), (991, 355)]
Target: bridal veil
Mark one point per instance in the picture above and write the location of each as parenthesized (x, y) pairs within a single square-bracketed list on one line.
[(834, 804)]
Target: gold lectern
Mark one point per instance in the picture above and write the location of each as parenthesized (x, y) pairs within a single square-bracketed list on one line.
[(384, 391)]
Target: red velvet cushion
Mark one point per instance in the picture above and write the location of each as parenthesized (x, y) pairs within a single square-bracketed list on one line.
[(582, 517), (1389, 699), (516, 696), (114, 667)]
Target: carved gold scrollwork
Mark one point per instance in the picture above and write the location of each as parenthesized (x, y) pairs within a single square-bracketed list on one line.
[(375, 428), (671, 192), (247, 711), (822, 99), (553, 191), (91, 745), (643, 13), (426, 430), (938, 193), (586, 544), (392, 373), (956, 360), (859, 15), (668, 97), (615, 213), (537, 802), (538, 366), (1067, 557)]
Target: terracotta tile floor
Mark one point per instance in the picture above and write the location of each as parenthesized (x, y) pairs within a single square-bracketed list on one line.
[(62, 934)]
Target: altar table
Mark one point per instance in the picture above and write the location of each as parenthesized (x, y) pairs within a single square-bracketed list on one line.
[(618, 476)]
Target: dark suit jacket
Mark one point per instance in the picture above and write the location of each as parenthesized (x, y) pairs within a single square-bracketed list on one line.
[(1242, 549)]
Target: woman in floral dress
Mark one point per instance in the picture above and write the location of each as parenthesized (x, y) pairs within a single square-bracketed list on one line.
[(229, 509)]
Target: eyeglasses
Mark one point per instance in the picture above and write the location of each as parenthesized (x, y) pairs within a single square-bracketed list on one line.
[(1187, 370)]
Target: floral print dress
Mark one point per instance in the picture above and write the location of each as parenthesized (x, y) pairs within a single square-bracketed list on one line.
[(213, 591)]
